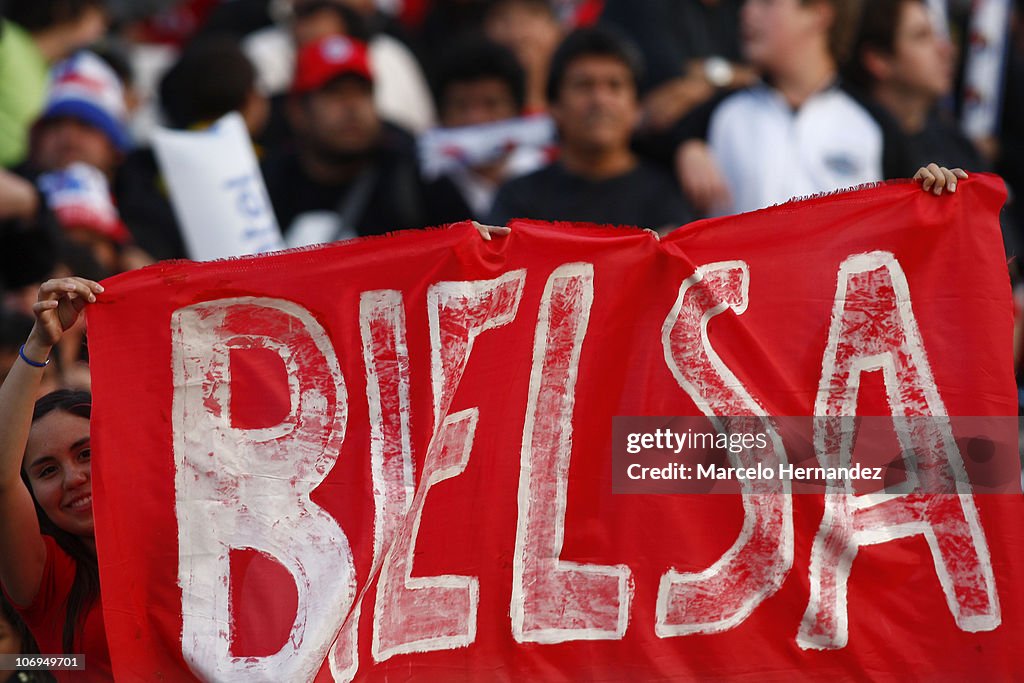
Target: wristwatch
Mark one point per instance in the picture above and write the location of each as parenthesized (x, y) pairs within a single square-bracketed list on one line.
[(718, 71)]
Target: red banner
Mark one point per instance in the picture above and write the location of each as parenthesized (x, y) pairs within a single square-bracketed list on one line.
[(391, 458)]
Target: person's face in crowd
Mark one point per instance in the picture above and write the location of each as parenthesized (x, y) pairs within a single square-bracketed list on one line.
[(530, 32), (10, 641), (62, 141), (773, 31), (484, 100), (57, 461), (922, 60), (597, 106), (307, 28), (340, 118)]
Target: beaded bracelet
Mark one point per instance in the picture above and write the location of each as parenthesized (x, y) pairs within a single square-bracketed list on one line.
[(35, 364)]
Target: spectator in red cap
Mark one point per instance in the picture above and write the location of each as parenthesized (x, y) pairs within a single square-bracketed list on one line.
[(323, 60), (400, 93), (351, 174)]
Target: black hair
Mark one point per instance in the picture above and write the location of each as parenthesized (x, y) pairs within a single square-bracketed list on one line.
[(355, 25), (11, 616), (85, 589), (476, 58), (211, 78), (591, 42), (39, 15), (876, 32), (846, 15)]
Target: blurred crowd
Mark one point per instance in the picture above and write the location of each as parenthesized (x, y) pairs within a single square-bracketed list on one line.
[(370, 116)]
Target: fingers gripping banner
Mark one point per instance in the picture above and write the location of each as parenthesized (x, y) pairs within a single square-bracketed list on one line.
[(392, 457)]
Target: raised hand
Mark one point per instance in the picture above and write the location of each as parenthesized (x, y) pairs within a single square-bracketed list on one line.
[(938, 178), (59, 305)]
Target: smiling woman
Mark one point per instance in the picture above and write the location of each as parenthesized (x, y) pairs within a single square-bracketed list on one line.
[(56, 465), (48, 565)]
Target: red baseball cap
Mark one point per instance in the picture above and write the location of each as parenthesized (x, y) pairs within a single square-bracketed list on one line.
[(324, 60)]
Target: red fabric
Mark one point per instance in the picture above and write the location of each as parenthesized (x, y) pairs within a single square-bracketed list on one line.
[(191, 393), (45, 619)]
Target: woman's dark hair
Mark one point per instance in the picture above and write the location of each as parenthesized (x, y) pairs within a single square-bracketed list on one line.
[(876, 32), (27, 646), (26, 643), (85, 589), (597, 41)]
